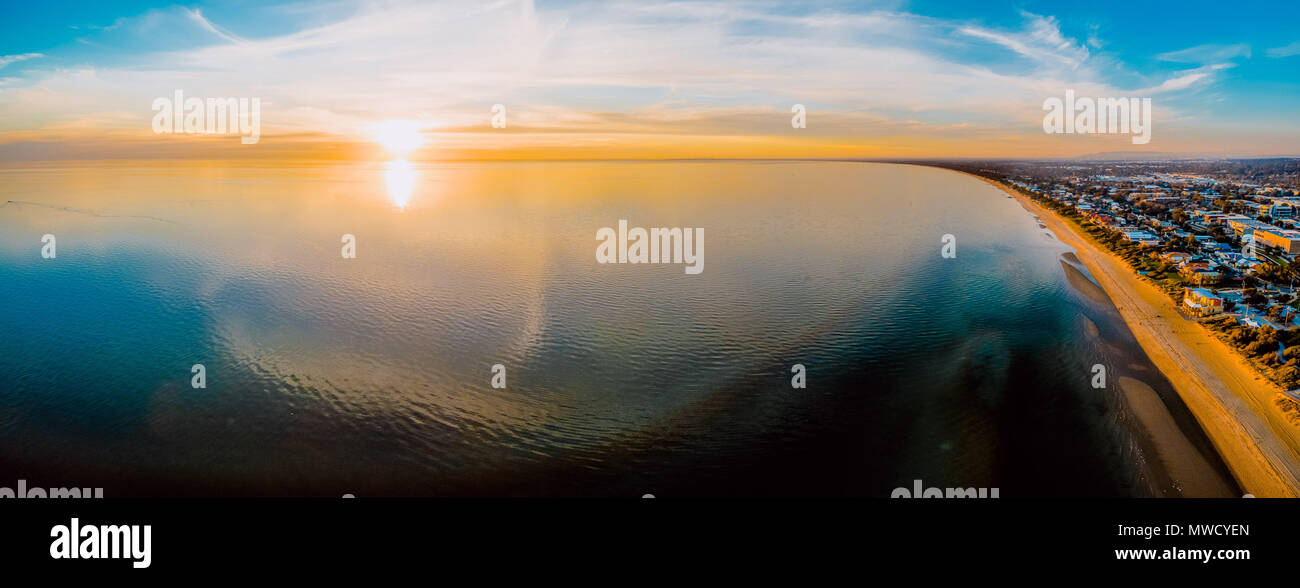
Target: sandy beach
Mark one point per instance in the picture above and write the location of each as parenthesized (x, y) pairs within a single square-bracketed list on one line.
[(1230, 400), (1179, 468)]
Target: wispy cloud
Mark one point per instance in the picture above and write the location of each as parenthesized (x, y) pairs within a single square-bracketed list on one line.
[(1287, 50), (1186, 79), (1041, 41), (8, 59), (197, 16), (1206, 53)]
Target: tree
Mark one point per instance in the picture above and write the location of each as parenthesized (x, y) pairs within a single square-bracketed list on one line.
[(1288, 376), (1266, 335)]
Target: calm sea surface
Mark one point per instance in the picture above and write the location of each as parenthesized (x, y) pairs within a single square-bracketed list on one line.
[(372, 375)]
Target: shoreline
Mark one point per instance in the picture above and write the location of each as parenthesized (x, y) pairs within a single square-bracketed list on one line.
[(1174, 466), (1232, 403)]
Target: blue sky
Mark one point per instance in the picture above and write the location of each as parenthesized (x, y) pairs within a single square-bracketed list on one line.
[(878, 78)]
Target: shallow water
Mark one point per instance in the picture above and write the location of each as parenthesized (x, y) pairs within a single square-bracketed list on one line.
[(372, 375)]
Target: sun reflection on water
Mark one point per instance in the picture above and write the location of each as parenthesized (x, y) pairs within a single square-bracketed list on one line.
[(400, 177)]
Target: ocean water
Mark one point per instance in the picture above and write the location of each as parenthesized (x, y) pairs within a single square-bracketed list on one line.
[(372, 376)]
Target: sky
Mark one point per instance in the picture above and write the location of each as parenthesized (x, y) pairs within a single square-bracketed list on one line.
[(645, 79)]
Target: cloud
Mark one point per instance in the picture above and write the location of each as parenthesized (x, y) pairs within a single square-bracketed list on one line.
[(1206, 53), (624, 68), (1042, 41), (197, 16), (8, 59), (1186, 79), (1287, 50)]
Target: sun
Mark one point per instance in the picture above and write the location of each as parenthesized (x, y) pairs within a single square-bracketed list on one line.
[(399, 137)]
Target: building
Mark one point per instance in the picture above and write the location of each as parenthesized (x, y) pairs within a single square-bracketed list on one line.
[(1251, 207), (1244, 225), (1283, 208), (1200, 273), (1210, 217), (1285, 239), (1201, 302), (1255, 319)]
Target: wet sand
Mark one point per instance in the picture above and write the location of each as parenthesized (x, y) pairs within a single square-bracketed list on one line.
[(1084, 285), (1232, 403), (1190, 474), (1179, 469)]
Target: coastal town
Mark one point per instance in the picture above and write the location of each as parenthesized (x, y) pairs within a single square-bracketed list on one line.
[(1220, 237)]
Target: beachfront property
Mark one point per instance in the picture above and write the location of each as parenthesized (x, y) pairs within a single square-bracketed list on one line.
[(1200, 302), (1139, 235), (1200, 273), (1144, 238)]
